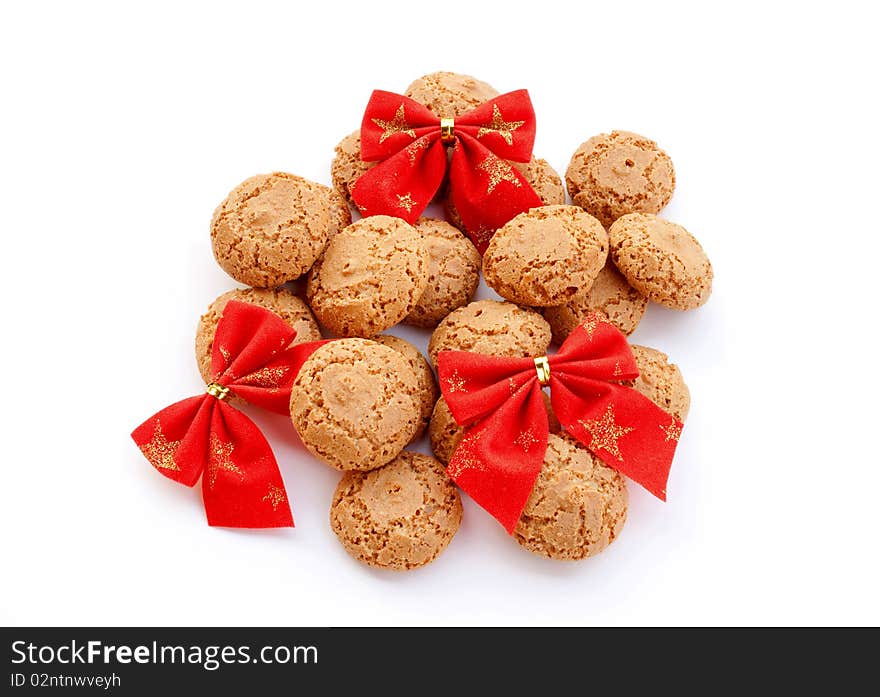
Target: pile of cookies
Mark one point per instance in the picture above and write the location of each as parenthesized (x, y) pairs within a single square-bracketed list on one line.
[(359, 402)]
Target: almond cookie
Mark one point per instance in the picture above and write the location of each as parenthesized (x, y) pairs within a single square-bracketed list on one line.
[(445, 433), (280, 301), (610, 294), (661, 381), (347, 166), (450, 94), (271, 229), (453, 273), (400, 516), (661, 260), (370, 277), (578, 505), (541, 177), (428, 390), (355, 404), (618, 173), (546, 256), (492, 328)]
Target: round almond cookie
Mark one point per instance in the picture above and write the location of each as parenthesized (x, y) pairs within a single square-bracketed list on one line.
[(578, 506), (492, 328), (661, 381), (355, 404), (271, 229), (280, 301), (610, 294), (400, 516), (453, 273), (347, 166), (445, 434), (546, 256), (661, 260), (613, 174), (428, 391), (450, 94), (370, 277), (541, 176)]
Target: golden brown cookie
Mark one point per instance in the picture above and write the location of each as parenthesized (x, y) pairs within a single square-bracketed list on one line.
[(347, 166), (542, 178), (370, 277), (492, 328), (616, 173), (546, 256), (428, 390), (661, 260), (445, 434), (355, 404), (578, 505), (453, 273), (271, 229), (661, 381), (400, 516), (450, 94), (610, 294), (280, 301)]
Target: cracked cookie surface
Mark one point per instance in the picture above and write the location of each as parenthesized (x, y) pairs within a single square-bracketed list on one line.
[(280, 301), (578, 506), (370, 277), (355, 404), (492, 328), (616, 173), (610, 294), (453, 273), (661, 260), (271, 229), (400, 516), (661, 381), (546, 256), (428, 390), (450, 94)]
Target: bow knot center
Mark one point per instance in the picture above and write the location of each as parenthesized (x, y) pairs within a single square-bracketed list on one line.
[(447, 130), (215, 389), (542, 367)]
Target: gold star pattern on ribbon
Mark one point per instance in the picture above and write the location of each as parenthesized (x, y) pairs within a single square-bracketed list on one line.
[(160, 451), (591, 323), (275, 496), (267, 377), (397, 125), (605, 433), (617, 371), (525, 440), (498, 125), (219, 458), (414, 148), (672, 431), (498, 171), (456, 382), (464, 458), (405, 201)]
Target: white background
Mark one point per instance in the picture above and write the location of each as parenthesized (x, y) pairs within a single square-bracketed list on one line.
[(122, 129)]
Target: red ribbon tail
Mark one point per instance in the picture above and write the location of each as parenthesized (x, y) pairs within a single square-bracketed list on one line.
[(242, 485), (499, 459)]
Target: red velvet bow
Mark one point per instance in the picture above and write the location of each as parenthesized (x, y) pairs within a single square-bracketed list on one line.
[(486, 190), (500, 400), (204, 436)]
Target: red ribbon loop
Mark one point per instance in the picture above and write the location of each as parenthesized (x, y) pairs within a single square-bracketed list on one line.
[(499, 400), (484, 187), (205, 437)]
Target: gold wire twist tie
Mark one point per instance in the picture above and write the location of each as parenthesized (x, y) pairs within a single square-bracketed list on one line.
[(447, 130), (542, 367), (215, 389)]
